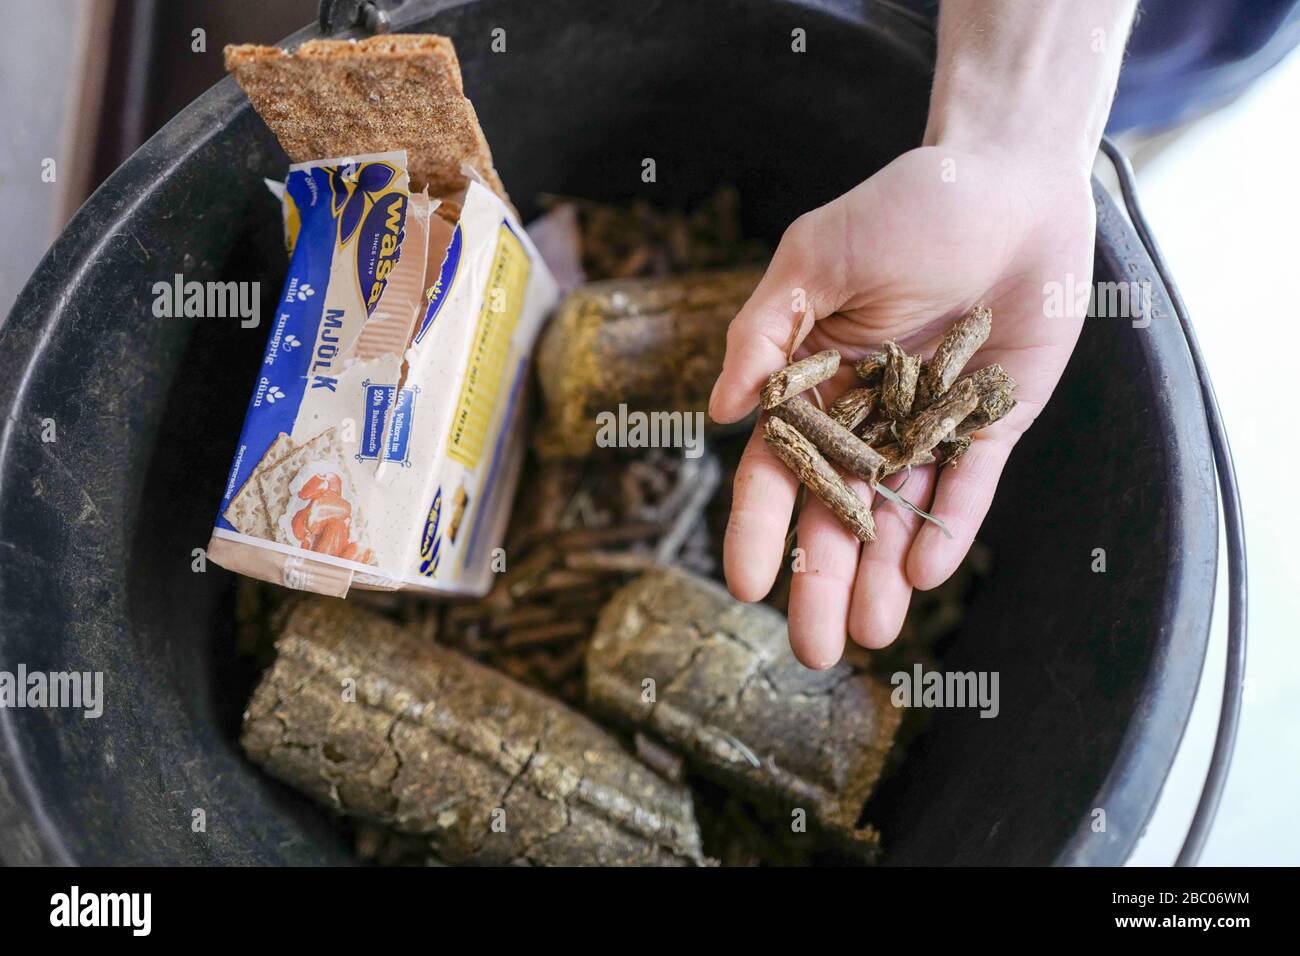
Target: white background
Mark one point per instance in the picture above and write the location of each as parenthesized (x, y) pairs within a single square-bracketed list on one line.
[(1223, 199)]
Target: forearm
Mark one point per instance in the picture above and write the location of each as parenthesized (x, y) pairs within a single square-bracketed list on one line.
[(1030, 75)]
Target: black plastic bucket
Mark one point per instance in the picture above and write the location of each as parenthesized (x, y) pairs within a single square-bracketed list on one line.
[(1098, 670)]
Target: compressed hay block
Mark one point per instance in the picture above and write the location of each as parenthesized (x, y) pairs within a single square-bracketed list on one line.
[(728, 694), (654, 345), (378, 724)]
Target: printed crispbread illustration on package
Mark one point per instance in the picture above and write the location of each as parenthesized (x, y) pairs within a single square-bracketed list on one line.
[(380, 448), (248, 513)]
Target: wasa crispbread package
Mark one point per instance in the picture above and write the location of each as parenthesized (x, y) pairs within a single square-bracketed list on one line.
[(381, 444)]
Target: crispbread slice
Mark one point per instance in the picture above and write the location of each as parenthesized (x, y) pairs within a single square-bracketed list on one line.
[(334, 98), (247, 511), (275, 481)]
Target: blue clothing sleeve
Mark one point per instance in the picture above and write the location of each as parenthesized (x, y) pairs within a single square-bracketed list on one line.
[(1186, 57)]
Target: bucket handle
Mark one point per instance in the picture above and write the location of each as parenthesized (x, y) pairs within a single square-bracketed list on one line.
[(336, 16), (1235, 667)]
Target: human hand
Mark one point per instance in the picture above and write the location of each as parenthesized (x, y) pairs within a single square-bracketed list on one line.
[(902, 256)]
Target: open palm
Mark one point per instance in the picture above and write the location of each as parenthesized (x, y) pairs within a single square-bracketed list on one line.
[(901, 256)]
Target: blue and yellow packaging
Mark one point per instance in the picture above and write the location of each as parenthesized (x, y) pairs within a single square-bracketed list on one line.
[(382, 441)]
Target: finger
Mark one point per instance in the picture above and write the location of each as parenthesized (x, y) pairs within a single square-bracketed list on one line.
[(819, 594), (961, 501), (882, 591), (762, 499), (761, 333), (757, 339)]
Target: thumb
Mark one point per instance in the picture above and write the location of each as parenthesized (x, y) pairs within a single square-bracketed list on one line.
[(790, 296)]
